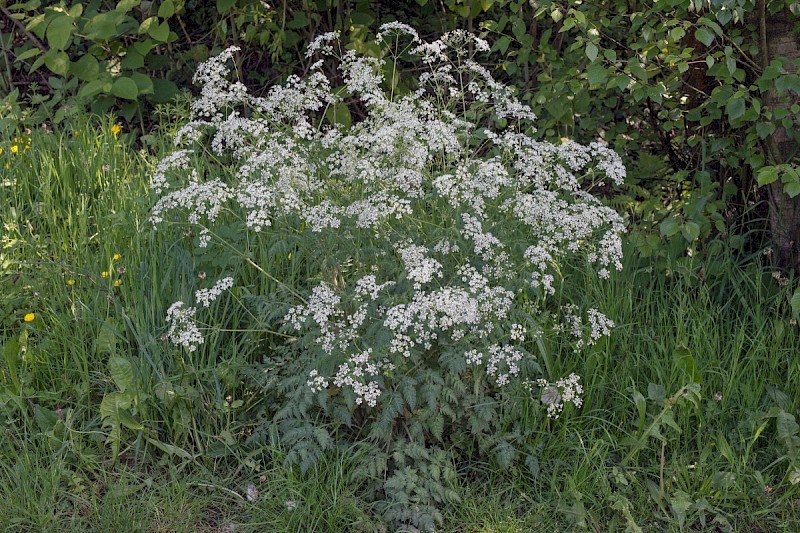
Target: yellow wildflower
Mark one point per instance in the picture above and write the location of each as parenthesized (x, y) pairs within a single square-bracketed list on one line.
[(115, 129), (104, 274), (1, 151), (116, 257), (29, 317), (117, 283), (14, 148), (70, 282)]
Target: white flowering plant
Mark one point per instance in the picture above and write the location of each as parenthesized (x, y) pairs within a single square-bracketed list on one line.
[(433, 230)]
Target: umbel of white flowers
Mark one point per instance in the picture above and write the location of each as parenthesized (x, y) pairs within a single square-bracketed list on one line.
[(496, 205)]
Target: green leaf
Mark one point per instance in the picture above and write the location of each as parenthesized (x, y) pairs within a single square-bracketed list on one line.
[(126, 5), (670, 226), (166, 9), (791, 189), (765, 129), (735, 108), (159, 32), (705, 36), (591, 51), (163, 91), (121, 372), (795, 304), (169, 449), (86, 68), (786, 424), (596, 73), (57, 62), (148, 23), (223, 6), (684, 361), (300, 20), (28, 54), (690, 231), (143, 82), (93, 88), (103, 26), (125, 88), (766, 175), (58, 32), (637, 69)]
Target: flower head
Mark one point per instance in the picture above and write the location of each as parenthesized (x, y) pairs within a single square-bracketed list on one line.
[(115, 129), (30, 317)]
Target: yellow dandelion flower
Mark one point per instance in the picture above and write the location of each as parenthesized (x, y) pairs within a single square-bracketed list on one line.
[(70, 282), (116, 257), (14, 149), (115, 129), (104, 274), (117, 283), (1, 151), (29, 317)]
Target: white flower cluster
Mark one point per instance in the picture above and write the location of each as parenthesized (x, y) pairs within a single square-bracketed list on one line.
[(502, 362), (466, 217), (599, 325), (564, 391), (207, 296), (182, 329)]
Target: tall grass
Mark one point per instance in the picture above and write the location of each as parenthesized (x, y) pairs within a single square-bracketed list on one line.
[(79, 196)]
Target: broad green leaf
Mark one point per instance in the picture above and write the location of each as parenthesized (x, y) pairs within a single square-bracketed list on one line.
[(223, 6), (126, 5), (148, 23), (690, 231), (705, 36), (596, 73), (591, 51), (786, 424), (28, 54), (143, 82), (166, 9), (684, 361), (791, 189), (125, 88), (765, 129), (59, 31), (163, 91), (86, 68), (299, 21), (159, 32), (670, 226), (121, 372), (103, 26), (766, 175), (735, 108), (57, 62)]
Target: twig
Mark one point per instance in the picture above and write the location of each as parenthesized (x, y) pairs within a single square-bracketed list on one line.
[(22, 28)]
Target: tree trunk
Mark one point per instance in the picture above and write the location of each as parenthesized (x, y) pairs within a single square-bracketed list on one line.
[(781, 40)]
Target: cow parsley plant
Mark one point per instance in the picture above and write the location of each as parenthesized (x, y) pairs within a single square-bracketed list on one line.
[(451, 221)]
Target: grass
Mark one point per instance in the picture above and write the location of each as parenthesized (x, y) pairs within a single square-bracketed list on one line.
[(75, 198)]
